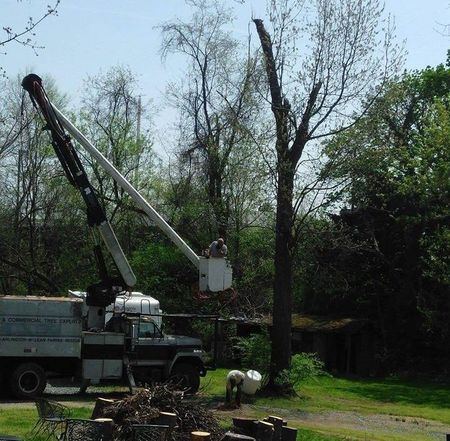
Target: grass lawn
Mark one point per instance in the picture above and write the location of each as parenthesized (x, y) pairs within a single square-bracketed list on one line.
[(390, 396), (20, 421)]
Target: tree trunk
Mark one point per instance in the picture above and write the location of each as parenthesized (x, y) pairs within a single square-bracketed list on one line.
[(215, 196), (282, 295), (287, 159)]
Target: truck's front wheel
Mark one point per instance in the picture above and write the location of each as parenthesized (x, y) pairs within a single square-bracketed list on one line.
[(28, 380), (186, 375)]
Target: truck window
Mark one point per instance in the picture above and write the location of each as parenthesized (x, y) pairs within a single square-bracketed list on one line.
[(148, 329)]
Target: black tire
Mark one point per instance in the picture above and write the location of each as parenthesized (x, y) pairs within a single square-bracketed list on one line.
[(28, 380), (187, 376)]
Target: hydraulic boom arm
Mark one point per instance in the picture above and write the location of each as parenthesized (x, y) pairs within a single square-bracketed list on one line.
[(125, 184), (214, 274), (77, 176)]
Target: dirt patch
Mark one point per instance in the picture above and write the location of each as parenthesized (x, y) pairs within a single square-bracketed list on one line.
[(374, 426)]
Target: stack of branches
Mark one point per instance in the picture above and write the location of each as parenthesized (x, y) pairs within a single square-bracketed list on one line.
[(145, 406)]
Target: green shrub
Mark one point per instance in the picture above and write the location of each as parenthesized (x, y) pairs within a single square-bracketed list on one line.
[(304, 366), (254, 352)]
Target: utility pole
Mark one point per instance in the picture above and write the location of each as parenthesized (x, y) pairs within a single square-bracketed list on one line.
[(138, 138), (139, 114)]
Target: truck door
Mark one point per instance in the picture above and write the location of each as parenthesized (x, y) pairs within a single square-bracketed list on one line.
[(152, 345)]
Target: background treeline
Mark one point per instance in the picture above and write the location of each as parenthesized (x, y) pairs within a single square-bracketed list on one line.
[(372, 213)]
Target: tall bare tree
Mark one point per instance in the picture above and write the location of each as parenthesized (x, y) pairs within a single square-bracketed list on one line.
[(25, 35), (217, 101), (28, 196), (119, 124), (325, 56)]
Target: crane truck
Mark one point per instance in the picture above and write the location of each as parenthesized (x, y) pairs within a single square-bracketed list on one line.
[(109, 332)]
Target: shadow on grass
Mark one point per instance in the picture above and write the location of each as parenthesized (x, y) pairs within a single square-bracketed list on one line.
[(67, 397)]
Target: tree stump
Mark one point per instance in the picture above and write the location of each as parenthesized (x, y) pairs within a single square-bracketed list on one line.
[(245, 426), (264, 431), (167, 419), (100, 405), (277, 426), (288, 433), (200, 436), (107, 428)]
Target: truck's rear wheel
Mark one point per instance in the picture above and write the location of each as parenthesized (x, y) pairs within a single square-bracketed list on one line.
[(187, 376), (28, 380)]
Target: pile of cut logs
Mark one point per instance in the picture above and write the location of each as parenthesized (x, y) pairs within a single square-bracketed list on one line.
[(193, 420), (159, 405), (272, 428)]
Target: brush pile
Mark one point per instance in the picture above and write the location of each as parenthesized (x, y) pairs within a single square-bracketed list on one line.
[(145, 406)]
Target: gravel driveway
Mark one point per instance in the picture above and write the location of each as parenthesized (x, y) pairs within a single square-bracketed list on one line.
[(367, 427)]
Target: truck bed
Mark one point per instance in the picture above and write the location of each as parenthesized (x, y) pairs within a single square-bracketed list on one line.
[(32, 326)]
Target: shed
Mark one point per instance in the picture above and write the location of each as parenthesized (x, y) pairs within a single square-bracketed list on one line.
[(346, 345)]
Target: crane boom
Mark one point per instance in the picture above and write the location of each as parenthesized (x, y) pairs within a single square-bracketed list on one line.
[(77, 176), (215, 274), (127, 187)]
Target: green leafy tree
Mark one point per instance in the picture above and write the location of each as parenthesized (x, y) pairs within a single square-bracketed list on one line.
[(396, 218), (164, 273), (254, 353)]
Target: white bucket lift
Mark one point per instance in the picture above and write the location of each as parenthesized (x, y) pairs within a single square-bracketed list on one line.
[(215, 274)]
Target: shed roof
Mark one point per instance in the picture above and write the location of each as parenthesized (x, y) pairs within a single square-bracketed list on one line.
[(327, 324), (315, 323)]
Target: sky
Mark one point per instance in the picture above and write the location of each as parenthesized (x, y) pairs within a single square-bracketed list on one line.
[(89, 36)]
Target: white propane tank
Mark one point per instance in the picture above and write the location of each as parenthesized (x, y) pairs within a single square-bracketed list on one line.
[(136, 303), (252, 382)]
